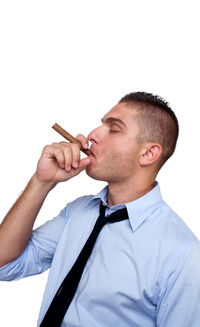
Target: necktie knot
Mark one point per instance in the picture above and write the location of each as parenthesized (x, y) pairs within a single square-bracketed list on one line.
[(116, 216)]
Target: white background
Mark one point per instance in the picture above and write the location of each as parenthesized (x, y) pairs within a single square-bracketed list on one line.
[(69, 62)]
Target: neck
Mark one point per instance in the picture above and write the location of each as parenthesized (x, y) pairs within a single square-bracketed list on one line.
[(129, 190)]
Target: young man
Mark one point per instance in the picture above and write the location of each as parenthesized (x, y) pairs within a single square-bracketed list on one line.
[(143, 271)]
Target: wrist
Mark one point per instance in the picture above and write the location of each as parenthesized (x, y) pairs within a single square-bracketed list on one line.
[(40, 185)]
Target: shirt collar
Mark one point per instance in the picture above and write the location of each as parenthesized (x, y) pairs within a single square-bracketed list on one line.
[(138, 210)]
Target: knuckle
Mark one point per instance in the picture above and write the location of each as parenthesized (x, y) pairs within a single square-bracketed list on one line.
[(79, 136), (75, 146), (64, 143), (83, 140), (46, 148), (57, 151)]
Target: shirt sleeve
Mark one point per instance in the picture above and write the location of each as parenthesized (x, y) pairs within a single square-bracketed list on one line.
[(38, 255), (180, 302)]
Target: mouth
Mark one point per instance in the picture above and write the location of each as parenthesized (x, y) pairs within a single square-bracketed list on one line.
[(91, 153)]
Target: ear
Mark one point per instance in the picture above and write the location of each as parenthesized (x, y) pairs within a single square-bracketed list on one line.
[(149, 153)]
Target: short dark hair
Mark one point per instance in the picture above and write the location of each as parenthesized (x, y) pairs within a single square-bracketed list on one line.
[(156, 120)]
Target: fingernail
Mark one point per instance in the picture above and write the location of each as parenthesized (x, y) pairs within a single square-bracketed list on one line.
[(68, 168), (85, 146), (75, 165)]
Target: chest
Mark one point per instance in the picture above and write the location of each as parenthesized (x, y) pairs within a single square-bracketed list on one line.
[(118, 272)]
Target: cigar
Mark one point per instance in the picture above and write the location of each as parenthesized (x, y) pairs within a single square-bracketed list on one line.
[(70, 138)]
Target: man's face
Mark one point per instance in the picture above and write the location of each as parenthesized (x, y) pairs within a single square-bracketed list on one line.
[(115, 146)]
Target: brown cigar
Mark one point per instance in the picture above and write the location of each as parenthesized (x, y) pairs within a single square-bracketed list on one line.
[(70, 138)]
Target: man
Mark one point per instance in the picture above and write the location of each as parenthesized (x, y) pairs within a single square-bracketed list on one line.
[(143, 271)]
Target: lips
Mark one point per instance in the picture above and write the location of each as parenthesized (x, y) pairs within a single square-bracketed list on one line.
[(92, 153)]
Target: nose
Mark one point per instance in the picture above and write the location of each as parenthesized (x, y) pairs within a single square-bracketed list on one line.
[(95, 135)]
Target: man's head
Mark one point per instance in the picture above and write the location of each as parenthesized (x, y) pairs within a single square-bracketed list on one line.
[(136, 137), (156, 120)]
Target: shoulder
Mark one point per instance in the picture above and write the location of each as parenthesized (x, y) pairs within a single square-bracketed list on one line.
[(175, 245), (79, 204), (176, 250), (174, 226), (172, 241)]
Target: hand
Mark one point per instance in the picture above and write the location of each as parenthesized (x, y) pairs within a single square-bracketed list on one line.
[(61, 161)]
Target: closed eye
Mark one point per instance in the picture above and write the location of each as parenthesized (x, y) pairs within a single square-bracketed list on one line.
[(114, 129)]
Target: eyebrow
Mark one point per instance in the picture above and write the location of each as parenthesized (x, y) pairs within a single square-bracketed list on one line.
[(113, 120)]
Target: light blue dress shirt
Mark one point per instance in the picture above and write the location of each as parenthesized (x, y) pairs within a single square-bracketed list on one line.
[(143, 272)]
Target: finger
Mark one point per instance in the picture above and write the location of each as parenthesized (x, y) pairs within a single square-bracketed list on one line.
[(75, 148), (83, 140), (67, 153), (54, 152), (82, 165), (58, 154), (71, 152)]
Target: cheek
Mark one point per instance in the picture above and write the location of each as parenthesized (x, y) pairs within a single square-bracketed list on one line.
[(119, 151), (124, 148), (116, 158), (126, 157)]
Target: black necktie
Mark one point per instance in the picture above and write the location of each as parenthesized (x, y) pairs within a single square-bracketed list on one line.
[(67, 289)]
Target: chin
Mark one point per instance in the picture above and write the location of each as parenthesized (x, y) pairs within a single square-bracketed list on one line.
[(96, 175)]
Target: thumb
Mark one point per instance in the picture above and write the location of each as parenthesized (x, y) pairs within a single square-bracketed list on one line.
[(83, 164)]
